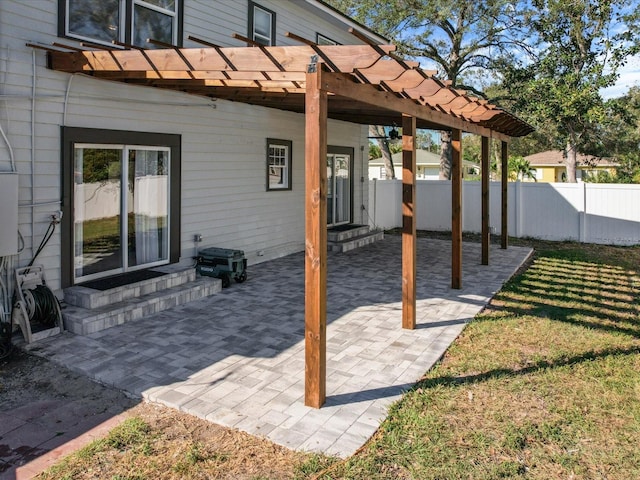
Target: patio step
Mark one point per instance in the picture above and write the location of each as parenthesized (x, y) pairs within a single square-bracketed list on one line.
[(337, 235), (87, 310), (356, 241)]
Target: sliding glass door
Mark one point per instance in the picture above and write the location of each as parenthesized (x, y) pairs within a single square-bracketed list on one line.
[(338, 189), (121, 209)]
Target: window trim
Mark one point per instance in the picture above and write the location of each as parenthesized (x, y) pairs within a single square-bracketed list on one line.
[(289, 167), (126, 22), (327, 39), (251, 24), (70, 136)]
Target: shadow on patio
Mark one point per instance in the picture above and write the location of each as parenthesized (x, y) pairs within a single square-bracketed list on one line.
[(237, 358)]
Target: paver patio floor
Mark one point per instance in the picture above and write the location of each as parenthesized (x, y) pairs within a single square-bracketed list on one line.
[(237, 358)]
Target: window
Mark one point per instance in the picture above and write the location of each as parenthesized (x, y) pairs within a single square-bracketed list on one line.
[(129, 21), (278, 164), (322, 40), (262, 25)]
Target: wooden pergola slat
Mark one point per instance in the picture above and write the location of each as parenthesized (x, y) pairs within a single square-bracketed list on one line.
[(372, 66)]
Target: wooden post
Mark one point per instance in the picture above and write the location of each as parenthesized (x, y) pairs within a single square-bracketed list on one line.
[(504, 169), (408, 222), (486, 233), (315, 238), (456, 208)]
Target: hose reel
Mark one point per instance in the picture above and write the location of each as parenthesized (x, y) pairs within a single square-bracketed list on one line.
[(36, 310)]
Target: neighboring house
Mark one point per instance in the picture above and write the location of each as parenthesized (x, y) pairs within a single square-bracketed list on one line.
[(427, 166), (550, 166), (176, 165)]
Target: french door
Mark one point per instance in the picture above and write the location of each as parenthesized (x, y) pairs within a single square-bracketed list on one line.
[(338, 189), (121, 209)]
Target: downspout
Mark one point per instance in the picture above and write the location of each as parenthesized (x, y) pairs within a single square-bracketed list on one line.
[(66, 100)]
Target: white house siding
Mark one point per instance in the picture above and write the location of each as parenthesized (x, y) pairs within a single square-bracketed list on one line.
[(224, 195), (231, 16)]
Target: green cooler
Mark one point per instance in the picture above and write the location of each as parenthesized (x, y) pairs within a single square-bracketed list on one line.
[(222, 263)]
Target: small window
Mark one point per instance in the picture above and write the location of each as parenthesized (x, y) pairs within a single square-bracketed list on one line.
[(262, 25), (278, 164), (129, 21), (322, 40)]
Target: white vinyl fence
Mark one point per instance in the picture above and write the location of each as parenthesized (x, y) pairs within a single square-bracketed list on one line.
[(585, 212)]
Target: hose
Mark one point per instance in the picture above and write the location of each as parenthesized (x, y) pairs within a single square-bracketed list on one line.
[(42, 306)]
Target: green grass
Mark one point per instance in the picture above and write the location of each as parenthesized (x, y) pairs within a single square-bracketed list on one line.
[(544, 384)]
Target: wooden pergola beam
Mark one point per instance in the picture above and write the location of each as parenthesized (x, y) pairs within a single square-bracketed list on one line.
[(315, 239), (342, 85), (504, 210), (486, 233), (456, 209), (408, 222)]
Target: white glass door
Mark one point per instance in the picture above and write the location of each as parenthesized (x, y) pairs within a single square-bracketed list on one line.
[(338, 189), (121, 209)]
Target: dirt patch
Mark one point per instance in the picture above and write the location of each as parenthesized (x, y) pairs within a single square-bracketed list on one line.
[(43, 395)]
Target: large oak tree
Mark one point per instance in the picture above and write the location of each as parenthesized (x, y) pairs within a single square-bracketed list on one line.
[(458, 38), (576, 50)]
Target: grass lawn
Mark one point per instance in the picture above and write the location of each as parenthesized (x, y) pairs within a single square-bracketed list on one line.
[(544, 384)]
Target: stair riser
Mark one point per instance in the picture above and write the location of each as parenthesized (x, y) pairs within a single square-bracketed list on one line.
[(346, 235), (81, 322), (356, 243), (91, 299)]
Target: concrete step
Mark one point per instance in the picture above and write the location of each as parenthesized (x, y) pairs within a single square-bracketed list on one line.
[(356, 242), (90, 298), (84, 321), (338, 235)]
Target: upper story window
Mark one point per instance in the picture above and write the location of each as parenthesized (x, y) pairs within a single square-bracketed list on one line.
[(322, 40), (262, 25), (129, 21)]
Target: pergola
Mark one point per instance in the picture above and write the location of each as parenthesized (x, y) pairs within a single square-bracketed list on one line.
[(364, 84)]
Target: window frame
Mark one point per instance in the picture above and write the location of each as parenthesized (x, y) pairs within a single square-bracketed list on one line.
[(288, 184), (328, 41), (251, 23), (70, 136), (127, 22)]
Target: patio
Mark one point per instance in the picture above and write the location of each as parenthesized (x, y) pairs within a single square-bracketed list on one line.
[(237, 358)]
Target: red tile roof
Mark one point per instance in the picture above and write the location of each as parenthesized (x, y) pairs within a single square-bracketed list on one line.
[(556, 157)]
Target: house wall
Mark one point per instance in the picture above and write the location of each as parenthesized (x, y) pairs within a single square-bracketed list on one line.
[(224, 195)]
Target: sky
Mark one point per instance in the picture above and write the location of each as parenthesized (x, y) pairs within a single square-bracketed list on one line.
[(629, 76)]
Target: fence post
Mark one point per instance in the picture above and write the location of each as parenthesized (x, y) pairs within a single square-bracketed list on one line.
[(583, 214), (518, 208)]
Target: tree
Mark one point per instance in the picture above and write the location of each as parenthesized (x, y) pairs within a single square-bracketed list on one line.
[(578, 47), (457, 36), (519, 169), (378, 133)]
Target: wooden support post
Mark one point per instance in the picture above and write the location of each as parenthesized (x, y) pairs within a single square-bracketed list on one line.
[(315, 238), (456, 208), (504, 213), (408, 222), (486, 233)]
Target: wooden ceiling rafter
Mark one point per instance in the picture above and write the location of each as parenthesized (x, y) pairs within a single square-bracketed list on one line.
[(265, 75)]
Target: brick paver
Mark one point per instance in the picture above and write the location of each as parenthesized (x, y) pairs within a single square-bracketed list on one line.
[(237, 358)]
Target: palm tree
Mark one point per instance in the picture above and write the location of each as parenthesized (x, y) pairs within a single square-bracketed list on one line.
[(519, 169)]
